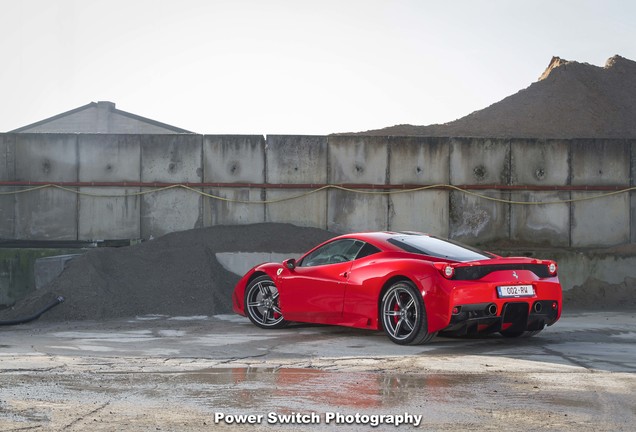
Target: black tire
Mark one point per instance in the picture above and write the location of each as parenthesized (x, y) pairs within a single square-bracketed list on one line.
[(522, 333), (261, 304), (403, 315)]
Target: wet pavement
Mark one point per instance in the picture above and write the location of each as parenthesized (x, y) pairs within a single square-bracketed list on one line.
[(221, 372)]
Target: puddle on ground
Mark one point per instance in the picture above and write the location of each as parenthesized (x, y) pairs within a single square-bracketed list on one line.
[(274, 388)]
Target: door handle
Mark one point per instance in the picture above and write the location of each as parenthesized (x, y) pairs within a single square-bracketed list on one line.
[(345, 275)]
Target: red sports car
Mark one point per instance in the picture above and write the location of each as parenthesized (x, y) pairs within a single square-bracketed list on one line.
[(412, 285)]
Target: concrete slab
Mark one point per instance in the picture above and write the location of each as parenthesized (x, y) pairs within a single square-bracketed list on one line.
[(298, 207), (539, 162), (424, 211), (109, 213), (234, 211), (169, 211), (632, 194), (7, 173), (300, 160), (105, 213), (479, 161), (357, 160), (547, 224), (356, 212), (601, 221), (477, 220), (419, 160), (46, 214), (171, 159), (600, 162), (233, 159), (48, 268)]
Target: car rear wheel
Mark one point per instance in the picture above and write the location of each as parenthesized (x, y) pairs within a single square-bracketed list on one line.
[(261, 303), (404, 316)]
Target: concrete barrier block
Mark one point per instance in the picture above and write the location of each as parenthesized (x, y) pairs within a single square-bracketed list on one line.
[(7, 157), (221, 212), (424, 211), (352, 212), (171, 159), (46, 157), (601, 221), (48, 268), (7, 173), (632, 194), (169, 211), (46, 214), (479, 161), (600, 162), (303, 210), (540, 224), (233, 159), (103, 217), (106, 213), (544, 162), (109, 158), (297, 159), (477, 220), (358, 159), (419, 160)]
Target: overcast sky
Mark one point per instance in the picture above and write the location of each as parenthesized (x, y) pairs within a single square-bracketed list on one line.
[(292, 66)]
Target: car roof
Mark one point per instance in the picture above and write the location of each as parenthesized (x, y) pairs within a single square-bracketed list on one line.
[(380, 238)]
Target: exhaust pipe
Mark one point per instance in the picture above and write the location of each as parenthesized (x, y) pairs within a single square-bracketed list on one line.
[(538, 307), (491, 309)]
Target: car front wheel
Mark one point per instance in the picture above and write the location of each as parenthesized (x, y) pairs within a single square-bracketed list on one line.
[(403, 315), (261, 303)]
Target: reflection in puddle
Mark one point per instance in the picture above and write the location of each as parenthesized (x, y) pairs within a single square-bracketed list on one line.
[(291, 388)]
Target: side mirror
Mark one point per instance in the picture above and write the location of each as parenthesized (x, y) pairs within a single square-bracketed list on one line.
[(290, 263)]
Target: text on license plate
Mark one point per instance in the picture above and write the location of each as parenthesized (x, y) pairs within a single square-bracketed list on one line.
[(515, 291)]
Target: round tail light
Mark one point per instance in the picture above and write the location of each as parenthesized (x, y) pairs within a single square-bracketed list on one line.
[(449, 271)]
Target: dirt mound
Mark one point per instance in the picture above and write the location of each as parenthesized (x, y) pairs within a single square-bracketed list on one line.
[(177, 274), (570, 100), (598, 295)]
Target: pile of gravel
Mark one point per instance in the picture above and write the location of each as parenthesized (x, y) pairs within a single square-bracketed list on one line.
[(570, 100), (177, 274), (598, 295)]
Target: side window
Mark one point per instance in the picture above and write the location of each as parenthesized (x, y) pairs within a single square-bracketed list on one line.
[(367, 249), (335, 252)]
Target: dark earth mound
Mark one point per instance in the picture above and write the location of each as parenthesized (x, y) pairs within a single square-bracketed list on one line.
[(598, 295), (177, 274), (570, 100)]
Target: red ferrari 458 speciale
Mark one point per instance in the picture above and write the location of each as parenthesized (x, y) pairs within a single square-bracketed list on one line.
[(411, 285)]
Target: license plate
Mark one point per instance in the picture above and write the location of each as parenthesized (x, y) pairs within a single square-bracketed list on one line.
[(515, 291)]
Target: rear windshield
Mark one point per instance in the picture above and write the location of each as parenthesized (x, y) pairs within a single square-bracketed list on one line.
[(437, 247)]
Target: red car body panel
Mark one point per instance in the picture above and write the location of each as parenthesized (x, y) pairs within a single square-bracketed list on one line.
[(349, 293)]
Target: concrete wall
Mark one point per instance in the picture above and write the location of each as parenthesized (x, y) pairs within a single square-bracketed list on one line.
[(7, 173), (318, 160)]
